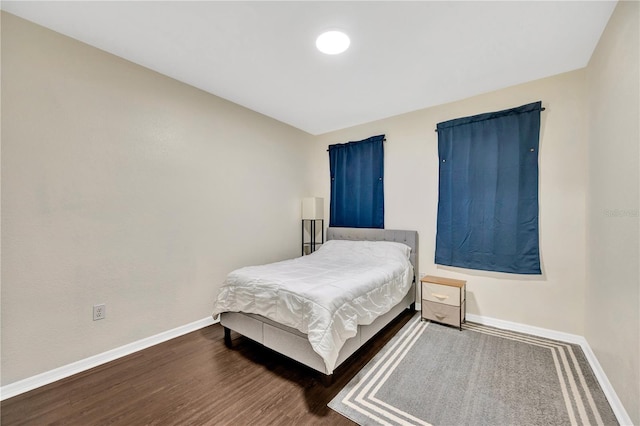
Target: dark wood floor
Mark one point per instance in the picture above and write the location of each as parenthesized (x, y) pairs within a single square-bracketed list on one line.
[(194, 380)]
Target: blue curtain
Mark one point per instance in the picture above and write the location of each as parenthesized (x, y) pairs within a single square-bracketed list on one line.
[(488, 191), (357, 194)]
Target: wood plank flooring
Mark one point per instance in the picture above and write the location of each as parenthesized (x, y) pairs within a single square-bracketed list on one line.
[(194, 380)]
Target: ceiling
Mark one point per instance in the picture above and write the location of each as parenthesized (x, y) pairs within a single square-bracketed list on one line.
[(404, 56)]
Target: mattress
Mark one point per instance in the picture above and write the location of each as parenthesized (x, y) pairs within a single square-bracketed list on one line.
[(325, 295)]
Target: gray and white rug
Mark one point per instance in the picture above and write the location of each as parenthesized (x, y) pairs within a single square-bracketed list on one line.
[(433, 374)]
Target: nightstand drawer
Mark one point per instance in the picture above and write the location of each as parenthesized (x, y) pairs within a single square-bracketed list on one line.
[(439, 293), (440, 312)]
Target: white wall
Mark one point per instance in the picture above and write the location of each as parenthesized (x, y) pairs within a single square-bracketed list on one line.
[(554, 300), (125, 187), (613, 279)]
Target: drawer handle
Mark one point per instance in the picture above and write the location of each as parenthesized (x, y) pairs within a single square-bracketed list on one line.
[(440, 316), (439, 296)]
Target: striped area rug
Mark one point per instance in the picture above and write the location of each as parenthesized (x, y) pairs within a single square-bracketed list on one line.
[(430, 374)]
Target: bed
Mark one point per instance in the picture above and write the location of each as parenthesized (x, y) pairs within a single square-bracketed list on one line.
[(294, 326)]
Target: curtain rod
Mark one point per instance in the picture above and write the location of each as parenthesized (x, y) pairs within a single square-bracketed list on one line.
[(435, 130), (383, 140)]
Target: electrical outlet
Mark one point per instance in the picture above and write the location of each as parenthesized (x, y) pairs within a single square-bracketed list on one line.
[(99, 311)]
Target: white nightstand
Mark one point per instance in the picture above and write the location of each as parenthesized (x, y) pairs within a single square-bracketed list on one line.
[(443, 300)]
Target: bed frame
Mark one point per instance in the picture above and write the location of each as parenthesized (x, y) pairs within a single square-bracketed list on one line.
[(294, 344)]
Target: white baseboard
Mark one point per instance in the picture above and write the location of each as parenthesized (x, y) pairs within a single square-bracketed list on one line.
[(610, 393), (30, 383), (45, 378)]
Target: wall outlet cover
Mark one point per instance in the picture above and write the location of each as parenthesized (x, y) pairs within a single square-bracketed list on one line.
[(99, 311)]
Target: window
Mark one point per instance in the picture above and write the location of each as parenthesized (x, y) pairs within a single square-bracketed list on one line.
[(357, 185), (488, 191)]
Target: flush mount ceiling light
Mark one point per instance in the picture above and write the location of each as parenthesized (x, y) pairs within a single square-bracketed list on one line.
[(332, 42)]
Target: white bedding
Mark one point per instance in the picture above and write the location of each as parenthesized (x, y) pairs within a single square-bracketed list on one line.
[(325, 295)]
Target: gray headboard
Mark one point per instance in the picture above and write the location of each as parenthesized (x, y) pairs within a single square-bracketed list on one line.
[(409, 238)]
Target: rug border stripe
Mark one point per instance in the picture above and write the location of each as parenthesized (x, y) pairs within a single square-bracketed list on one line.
[(583, 383), (576, 365), (560, 347), (391, 369), (401, 342), (543, 344), (612, 397), (567, 345), (363, 396), (385, 355)]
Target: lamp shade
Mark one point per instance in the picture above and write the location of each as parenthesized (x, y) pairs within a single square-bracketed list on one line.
[(312, 208)]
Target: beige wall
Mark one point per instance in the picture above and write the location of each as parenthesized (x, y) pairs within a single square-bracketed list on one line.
[(125, 187), (589, 187), (554, 300), (613, 281)]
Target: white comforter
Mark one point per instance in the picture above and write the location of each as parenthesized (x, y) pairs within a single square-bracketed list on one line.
[(326, 294)]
